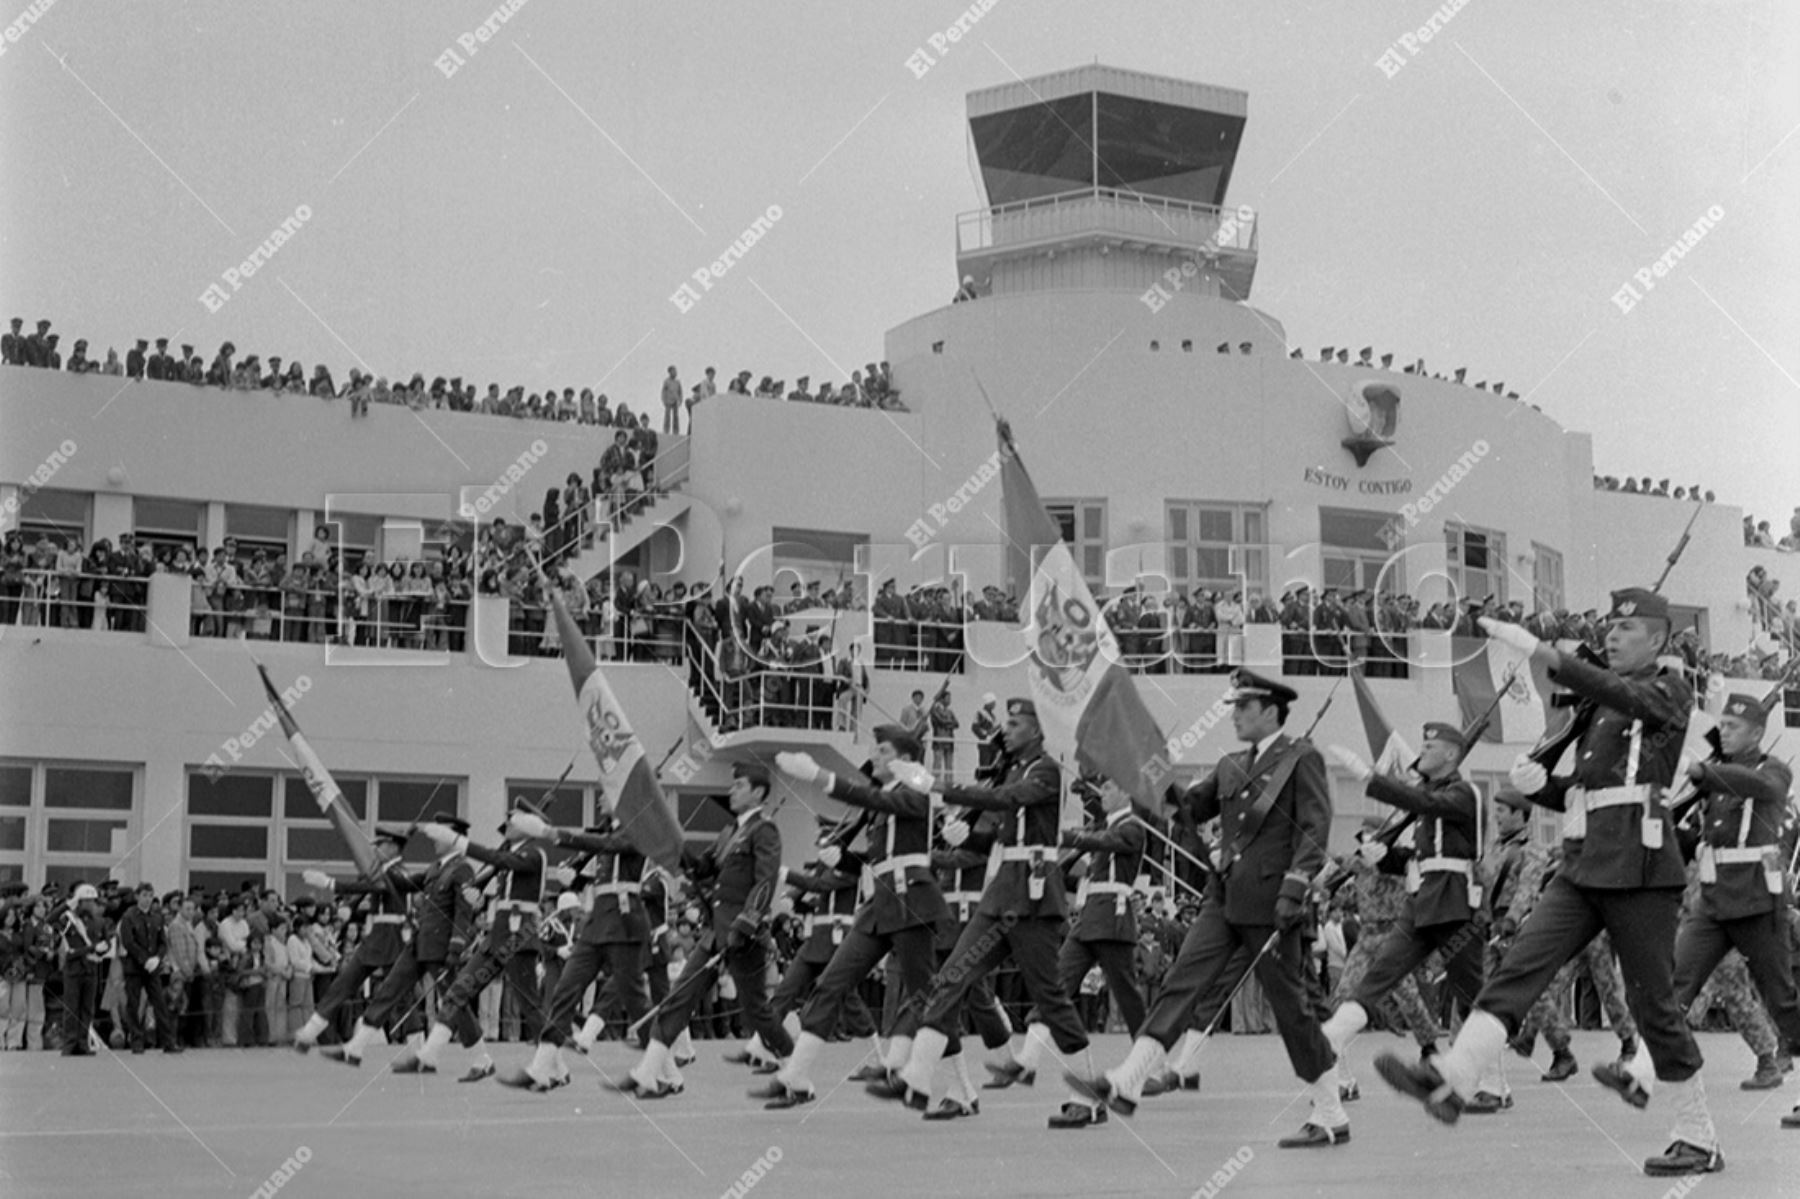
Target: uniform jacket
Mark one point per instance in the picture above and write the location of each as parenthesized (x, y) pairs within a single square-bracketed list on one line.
[(1030, 796), (522, 869), (1289, 846), (833, 895), (1612, 855), (614, 919), (142, 936), (1116, 853), (743, 863), (901, 826), (79, 938), (1759, 783), (444, 918), (386, 896), (1446, 809)]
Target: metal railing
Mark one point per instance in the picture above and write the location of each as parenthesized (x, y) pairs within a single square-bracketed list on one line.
[(739, 692), (77, 600), (1116, 210)]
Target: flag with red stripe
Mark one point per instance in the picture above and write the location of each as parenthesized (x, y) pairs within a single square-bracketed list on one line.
[(1387, 748), (1088, 706), (1485, 669), (324, 788)]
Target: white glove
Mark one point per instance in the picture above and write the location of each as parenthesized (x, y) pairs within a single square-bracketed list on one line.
[(565, 951), (472, 896), (440, 835), (564, 874), (524, 824), (1349, 762), (955, 831), (799, 766), (1516, 636), (830, 856), (915, 776), (102, 948), (317, 878), (1527, 776), (1372, 851), (151, 965)]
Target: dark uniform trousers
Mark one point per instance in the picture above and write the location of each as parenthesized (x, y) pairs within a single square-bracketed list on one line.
[(519, 972), (401, 981), (1034, 943), (746, 965), (80, 993), (1642, 923), (854, 1019), (1407, 946), (1211, 952), (1117, 964), (135, 984), (910, 948), (357, 969), (1703, 942), (622, 961)]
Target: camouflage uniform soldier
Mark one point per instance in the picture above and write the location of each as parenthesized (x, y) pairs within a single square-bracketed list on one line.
[(1730, 988), (1379, 898)]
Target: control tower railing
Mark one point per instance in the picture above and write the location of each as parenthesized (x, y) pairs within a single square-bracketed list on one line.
[(1128, 214)]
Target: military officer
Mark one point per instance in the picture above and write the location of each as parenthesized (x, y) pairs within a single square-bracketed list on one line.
[(381, 942), (82, 941)]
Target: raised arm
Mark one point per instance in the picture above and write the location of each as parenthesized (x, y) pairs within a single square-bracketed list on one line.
[(1037, 786), (1456, 801)]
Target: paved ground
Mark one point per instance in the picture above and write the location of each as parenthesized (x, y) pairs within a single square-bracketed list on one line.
[(221, 1122)]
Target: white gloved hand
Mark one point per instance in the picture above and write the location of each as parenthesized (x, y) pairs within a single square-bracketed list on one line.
[(1349, 761), (830, 856), (564, 874), (1372, 851), (102, 948), (440, 835), (472, 896), (524, 824), (317, 878), (1527, 776), (799, 766), (151, 964), (955, 832), (565, 951), (1506, 633), (913, 775)]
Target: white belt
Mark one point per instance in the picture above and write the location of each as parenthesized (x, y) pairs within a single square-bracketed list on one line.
[(1579, 801), (387, 918), (1418, 868), (515, 905), (1119, 891), (623, 890), (896, 866), (1712, 857), (962, 901)]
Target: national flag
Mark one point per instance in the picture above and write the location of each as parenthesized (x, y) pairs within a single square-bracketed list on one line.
[(1483, 669), (1387, 748), (1088, 706), (626, 776), (324, 789)]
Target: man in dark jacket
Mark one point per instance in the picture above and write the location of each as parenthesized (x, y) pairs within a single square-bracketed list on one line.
[(143, 938)]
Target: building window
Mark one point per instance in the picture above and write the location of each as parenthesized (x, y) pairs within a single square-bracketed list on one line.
[(1082, 524), (168, 525), (1354, 553), (1547, 578), (257, 528), (58, 515), (827, 557), (1476, 562), (67, 822), (1217, 546)]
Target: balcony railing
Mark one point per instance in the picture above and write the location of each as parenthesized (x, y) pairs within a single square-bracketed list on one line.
[(1128, 214)]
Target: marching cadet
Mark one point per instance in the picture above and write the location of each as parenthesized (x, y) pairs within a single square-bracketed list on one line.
[(744, 867), (520, 872), (443, 920), (1443, 889), (901, 904), (831, 890), (381, 941), (1621, 872), (1022, 912), (614, 938), (1550, 1013), (82, 943), (1275, 818), (1742, 796), (962, 872)]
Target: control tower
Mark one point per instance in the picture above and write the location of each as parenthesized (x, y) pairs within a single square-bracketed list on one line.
[(1098, 177)]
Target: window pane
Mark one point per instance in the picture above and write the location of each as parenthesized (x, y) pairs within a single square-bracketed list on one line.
[(12, 872), (1093, 522), (1093, 561), (1178, 524), (1212, 562), (230, 795), (1340, 572), (300, 805), (1352, 530), (67, 510), (263, 524), (12, 832), (1215, 524), (699, 814), (167, 516), (1253, 526), (15, 786), (310, 845), (66, 876), (1475, 550), (403, 802), (73, 787), (225, 880), (1178, 562), (85, 836), (228, 841)]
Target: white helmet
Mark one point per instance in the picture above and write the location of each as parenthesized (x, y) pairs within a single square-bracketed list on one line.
[(567, 900), (84, 891)]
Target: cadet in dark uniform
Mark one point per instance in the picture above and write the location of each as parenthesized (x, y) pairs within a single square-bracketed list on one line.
[(83, 944), (144, 943), (443, 923), (381, 941), (1023, 909), (744, 868), (1443, 890), (505, 952), (901, 905), (1275, 818), (614, 938), (1742, 795), (831, 889), (1621, 871), (962, 873)]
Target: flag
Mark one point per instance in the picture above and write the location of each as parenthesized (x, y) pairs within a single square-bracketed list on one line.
[(1481, 668), (1388, 749), (626, 776), (324, 789), (1087, 705)]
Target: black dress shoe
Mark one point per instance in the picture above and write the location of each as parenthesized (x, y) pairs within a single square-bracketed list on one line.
[(172, 1049), (1792, 1119), (410, 1064), (1562, 1066), (873, 1073), (892, 1086), (479, 1072), (1315, 1136), (1078, 1115), (628, 1085), (950, 1109), (766, 1068), (1101, 1090), (1614, 1077), (1161, 1084), (1349, 1092), (1007, 1075), (1684, 1157), (1486, 1103), (779, 1097), (1424, 1083), (337, 1053), (740, 1058)]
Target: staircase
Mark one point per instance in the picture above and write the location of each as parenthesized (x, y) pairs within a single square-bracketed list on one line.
[(630, 529)]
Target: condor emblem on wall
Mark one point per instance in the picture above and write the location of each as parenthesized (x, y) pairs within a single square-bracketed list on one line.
[(1374, 414)]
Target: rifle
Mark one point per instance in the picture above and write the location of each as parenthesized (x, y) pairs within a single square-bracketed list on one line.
[(1680, 547), (487, 872)]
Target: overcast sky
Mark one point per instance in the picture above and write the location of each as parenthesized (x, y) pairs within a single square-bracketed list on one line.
[(527, 219)]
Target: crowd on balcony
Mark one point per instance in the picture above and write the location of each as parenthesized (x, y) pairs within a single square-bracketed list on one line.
[(1366, 357), (1645, 486), (1758, 534)]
